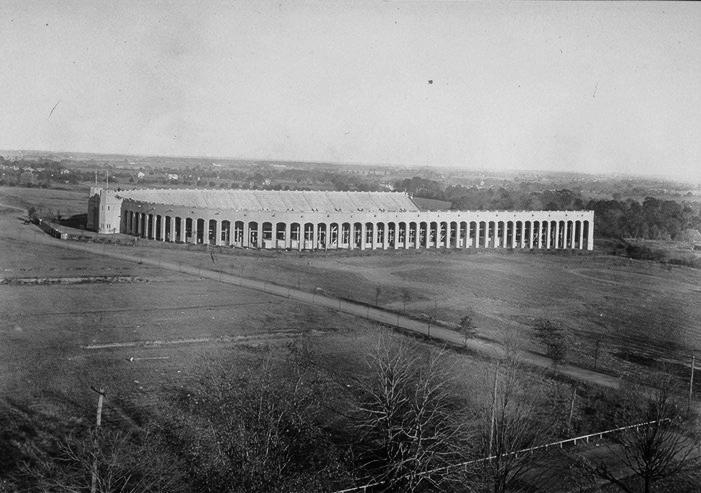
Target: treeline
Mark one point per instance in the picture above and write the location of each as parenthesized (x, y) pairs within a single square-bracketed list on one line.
[(652, 219)]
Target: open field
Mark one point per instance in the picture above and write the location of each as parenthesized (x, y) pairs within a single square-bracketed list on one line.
[(637, 312), (73, 319)]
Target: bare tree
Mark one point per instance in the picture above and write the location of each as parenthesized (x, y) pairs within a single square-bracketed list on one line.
[(518, 417), (126, 462), (255, 426), (660, 449), (408, 420)]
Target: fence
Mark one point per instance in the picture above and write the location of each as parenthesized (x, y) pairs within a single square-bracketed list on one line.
[(559, 444)]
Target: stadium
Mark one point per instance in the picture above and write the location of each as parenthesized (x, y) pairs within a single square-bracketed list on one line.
[(321, 220)]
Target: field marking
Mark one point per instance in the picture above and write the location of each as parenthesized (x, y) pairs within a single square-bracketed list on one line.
[(280, 334)]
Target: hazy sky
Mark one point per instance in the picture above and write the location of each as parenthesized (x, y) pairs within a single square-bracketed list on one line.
[(558, 86)]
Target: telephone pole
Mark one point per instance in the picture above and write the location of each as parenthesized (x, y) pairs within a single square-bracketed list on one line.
[(492, 421), (691, 380), (98, 422)]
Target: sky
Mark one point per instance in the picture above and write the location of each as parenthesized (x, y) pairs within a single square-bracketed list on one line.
[(588, 87)]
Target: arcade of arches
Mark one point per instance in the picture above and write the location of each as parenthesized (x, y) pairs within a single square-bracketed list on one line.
[(393, 230)]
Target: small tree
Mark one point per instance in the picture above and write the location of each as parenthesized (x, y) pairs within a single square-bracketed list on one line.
[(554, 338), (467, 326)]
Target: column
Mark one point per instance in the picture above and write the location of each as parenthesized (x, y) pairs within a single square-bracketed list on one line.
[(288, 238), (565, 243), (259, 229), (477, 233), (217, 232), (557, 235), (396, 235), (468, 238), (547, 235), (447, 234), (407, 235), (363, 235), (351, 235), (530, 234), (417, 242), (384, 236)]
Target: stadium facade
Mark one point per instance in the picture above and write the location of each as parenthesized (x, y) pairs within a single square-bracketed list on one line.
[(302, 220)]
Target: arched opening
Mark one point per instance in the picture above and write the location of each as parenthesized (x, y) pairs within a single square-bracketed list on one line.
[(308, 236), (369, 231), (333, 235), (253, 234), (482, 240), (423, 235), (225, 235), (268, 235), (491, 234), (412, 234), (453, 236), (402, 234), (238, 233), (358, 235), (345, 235), (527, 234), (200, 231), (281, 235), (381, 234), (178, 229), (212, 231), (586, 235), (322, 235), (391, 228)]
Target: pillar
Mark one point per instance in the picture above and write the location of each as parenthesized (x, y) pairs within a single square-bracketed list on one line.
[(557, 235), (447, 234), (477, 233), (171, 230), (530, 234)]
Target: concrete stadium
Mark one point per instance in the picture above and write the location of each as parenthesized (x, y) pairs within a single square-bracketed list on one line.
[(318, 220)]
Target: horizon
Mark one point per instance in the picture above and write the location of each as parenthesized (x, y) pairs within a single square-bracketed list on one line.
[(596, 89)]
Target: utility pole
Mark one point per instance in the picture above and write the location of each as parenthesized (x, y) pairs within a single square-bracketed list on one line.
[(492, 422), (98, 422), (569, 418), (691, 380)]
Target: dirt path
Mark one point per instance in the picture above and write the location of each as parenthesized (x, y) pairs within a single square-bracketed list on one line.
[(486, 348)]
